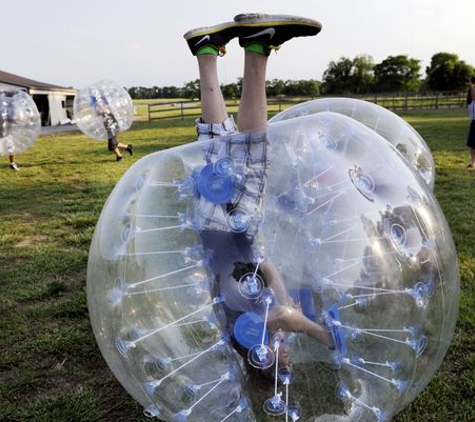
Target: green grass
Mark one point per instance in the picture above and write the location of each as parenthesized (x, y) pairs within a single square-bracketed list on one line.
[(50, 367)]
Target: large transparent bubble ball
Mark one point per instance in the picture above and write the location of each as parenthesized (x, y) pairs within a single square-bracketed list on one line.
[(345, 314), (103, 109), (20, 122), (383, 121)]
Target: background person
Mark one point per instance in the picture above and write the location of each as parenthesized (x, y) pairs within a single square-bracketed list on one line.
[(471, 114), (112, 128), (6, 123)]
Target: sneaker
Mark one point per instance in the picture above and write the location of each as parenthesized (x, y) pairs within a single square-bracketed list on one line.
[(119, 159), (14, 167), (130, 149), (273, 30), (217, 36)]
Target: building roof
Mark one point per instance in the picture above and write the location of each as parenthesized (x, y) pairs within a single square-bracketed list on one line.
[(20, 81)]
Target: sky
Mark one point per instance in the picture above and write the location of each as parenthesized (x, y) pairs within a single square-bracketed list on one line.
[(140, 43)]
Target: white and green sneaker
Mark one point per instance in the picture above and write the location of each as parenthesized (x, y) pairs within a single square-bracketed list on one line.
[(273, 30), (217, 36)]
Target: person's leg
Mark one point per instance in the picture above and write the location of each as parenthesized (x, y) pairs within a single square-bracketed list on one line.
[(13, 165), (256, 32), (128, 147), (213, 107), (117, 153), (114, 146), (472, 158), (252, 114), (207, 43)]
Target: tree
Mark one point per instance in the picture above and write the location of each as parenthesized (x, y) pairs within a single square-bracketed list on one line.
[(336, 78), (230, 91), (275, 87), (191, 89), (143, 92), (447, 73), (362, 74), (397, 74), (155, 92), (349, 76), (310, 88), (170, 92), (133, 92)]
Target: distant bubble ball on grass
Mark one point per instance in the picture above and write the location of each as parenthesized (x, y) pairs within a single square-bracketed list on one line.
[(103, 109), (357, 237), (20, 122)]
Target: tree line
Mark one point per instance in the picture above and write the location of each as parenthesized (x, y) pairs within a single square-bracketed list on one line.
[(360, 75)]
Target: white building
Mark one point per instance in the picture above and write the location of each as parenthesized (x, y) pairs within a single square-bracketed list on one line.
[(55, 103)]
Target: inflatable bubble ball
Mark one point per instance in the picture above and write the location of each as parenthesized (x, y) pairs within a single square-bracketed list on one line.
[(103, 109), (20, 122), (383, 121), (306, 273)]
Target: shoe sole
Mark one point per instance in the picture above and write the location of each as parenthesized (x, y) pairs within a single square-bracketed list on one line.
[(205, 30), (261, 19)]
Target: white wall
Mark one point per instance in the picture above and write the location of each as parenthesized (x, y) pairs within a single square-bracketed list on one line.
[(56, 109)]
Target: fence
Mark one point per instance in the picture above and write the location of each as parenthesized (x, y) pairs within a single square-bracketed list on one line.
[(432, 100)]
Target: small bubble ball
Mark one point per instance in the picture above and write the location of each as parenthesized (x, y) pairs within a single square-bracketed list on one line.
[(332, 296), (103, 109), (20, 122)]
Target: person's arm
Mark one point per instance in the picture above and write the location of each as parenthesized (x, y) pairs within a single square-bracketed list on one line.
[(275, 282), (285, 316)]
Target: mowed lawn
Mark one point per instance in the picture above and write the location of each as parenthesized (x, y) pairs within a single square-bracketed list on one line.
[(50, 367)]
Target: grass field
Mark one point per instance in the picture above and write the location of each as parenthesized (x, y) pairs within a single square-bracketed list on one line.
[(50, 367)]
